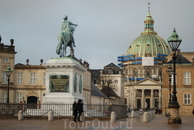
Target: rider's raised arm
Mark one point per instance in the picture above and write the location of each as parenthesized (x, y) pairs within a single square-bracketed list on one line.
[(72, 23)]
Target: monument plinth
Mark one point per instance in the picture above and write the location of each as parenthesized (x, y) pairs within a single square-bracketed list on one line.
[(64, 80)]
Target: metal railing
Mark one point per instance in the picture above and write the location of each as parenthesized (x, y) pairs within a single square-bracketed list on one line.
[(90, 110)]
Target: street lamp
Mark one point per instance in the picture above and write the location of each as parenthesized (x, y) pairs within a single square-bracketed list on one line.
[(169, 72), (8, 72), (174, 42)]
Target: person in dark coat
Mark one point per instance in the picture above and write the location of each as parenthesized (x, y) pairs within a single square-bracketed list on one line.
[(79, 108), (74, 111), (193, 112)]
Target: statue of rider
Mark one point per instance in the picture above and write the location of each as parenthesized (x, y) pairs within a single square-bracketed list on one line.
[(67, 26)]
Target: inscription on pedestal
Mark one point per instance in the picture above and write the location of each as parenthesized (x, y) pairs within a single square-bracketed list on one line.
[(59, 83)]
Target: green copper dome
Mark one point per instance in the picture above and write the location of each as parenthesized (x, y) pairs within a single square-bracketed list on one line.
[(149, 44)]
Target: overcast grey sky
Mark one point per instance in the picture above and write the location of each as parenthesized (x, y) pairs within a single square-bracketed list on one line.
[(105, 27)]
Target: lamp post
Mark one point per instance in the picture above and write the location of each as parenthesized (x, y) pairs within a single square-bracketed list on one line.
[(8, 72), (174, 42)]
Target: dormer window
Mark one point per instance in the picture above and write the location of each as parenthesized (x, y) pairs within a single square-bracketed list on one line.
[(110, 71)]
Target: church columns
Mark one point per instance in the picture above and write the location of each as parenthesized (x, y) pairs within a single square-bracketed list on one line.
[(151, 99), (138, 97), (129, 97), (160, 97), (142, 99), (135, 99)]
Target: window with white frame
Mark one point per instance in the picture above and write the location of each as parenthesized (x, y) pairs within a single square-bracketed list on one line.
[(33, 78), (187, 78), (18, 97), (5, 59), (44, 78), (4, 78), (187, 99), (4, 97), (19, 78)]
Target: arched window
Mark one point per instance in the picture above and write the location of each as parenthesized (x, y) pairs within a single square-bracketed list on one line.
[(148, 73), (135, 73)]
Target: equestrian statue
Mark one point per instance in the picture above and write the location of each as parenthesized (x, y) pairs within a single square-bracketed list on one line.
[(65, 38)]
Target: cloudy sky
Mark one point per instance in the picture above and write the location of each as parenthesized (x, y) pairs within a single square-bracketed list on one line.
[(105, 27)]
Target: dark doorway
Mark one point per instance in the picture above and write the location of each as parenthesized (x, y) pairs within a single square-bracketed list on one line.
[(138, 103), (32, 102), (148, 103)]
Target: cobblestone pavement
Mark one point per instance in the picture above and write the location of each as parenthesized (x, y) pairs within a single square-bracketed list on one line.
[(158, 123)]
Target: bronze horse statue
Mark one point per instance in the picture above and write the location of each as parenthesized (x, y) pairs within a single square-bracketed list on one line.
[(64, 39)]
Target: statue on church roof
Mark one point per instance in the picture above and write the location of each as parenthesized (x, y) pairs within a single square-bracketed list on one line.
[(66, 38)]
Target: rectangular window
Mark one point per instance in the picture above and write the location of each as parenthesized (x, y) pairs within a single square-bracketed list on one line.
[(187, 78), (5, 59), (44, 78), (18, 97), (4, 97), (19, 78), (187, 99), (33, 78), (4, 78)]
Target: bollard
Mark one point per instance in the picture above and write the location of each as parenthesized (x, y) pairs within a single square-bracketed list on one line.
[(50, 115), (82, 118), (133, 114), (113, 117), (148, 116), (20, 115), (145, 117)]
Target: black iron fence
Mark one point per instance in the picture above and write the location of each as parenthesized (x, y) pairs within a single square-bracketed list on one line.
[(90, 110)]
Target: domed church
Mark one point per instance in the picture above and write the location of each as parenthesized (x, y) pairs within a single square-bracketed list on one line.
[(142, 67)]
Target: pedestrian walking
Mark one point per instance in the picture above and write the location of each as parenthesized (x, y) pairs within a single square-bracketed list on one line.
[(74, 108), (79, 108), (193, 112)]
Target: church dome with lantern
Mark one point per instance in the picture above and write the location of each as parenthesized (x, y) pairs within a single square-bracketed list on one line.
[(145, 55), (149, 44)]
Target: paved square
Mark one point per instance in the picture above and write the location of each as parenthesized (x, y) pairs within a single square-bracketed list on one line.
[(158, 123)]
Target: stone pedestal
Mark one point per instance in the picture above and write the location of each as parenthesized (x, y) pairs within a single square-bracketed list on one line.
[(64, 80), (174, 116)]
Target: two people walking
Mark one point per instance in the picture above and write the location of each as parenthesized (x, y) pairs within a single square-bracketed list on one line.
[(77, 110)]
